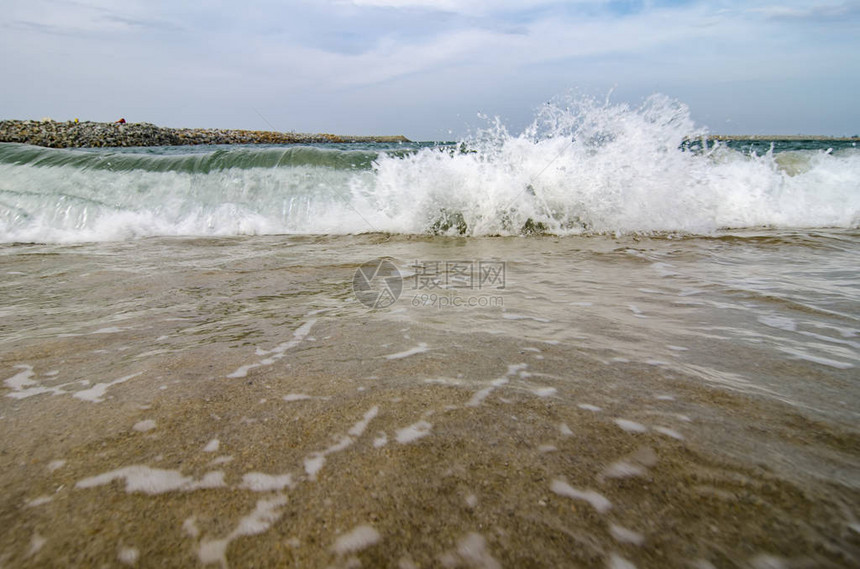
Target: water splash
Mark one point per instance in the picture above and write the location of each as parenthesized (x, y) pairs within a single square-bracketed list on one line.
[(583, 166)]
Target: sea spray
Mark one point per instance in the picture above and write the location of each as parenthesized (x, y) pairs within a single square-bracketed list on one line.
[(582, 167), (598, 168)]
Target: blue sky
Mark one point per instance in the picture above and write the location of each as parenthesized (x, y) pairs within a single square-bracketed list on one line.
[(426, 68)]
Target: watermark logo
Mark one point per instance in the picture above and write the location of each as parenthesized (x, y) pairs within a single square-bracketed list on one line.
[(471, 275), (439, 284), (377, 283)]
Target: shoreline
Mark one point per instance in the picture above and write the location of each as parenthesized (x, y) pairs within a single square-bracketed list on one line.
[(53, 134)]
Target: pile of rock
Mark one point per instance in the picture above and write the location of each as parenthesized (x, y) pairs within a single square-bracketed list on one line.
[(71, 134)]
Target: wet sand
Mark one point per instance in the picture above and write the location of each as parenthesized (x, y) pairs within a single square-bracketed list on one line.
[(237, 407)]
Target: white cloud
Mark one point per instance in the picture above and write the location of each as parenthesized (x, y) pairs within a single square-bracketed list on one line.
[(471, 7)]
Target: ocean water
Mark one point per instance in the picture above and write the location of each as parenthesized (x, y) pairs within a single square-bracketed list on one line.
[(587, 169), (606, 341)]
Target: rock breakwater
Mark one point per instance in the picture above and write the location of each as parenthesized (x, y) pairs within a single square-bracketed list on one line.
[(53, 134)]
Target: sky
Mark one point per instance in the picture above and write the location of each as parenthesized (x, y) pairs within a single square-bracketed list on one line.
[(428, 69)]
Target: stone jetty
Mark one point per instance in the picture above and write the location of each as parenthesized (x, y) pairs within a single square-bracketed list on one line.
[(54, 134)]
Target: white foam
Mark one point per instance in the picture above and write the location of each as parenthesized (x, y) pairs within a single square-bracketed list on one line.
[(313, 464), (361, 537), (669, 433), (242, 371), (41, 500), (624, 535), (212, 446), (413, 432), (358, 429), (139, 478), (37, 542), (23, 386), (589, 407), (260, 482), (189, 526), (381, 440), (214, 479), (565, 430), (56, 464), (547, 448), (96, 393), (296, 397), (277, 352), (21, 379), (545, 391), (597, 501), (259, 521), (479, 397), (128, 556), (618, 562), (419, 349), (144, 426), (631, 426), (622, 469)]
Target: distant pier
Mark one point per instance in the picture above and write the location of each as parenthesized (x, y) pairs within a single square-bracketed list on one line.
[(73, 134), (779, 137)]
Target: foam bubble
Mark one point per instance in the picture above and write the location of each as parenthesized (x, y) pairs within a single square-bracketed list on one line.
[(597, 501), (128, 555), (624, 535), (96, 393), (545, 391), (277, 352), (295, 397), (413, 432), (260, 482), (631, 426), (361, 537), (419, 349), (139, 478), (381, 440), (360, 426), (144, 426), (618, 562), (37, 542), (38, 501), (669, 433), (259, 521)]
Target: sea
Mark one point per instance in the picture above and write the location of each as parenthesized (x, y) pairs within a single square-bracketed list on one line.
[(608, 340)]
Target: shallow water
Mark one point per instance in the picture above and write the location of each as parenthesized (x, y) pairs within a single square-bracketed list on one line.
[(664, 401)]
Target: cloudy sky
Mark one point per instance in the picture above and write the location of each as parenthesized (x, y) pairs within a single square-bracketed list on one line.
[(426, 68)]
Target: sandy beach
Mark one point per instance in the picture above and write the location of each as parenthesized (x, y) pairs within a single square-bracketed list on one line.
[(229, 403)]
